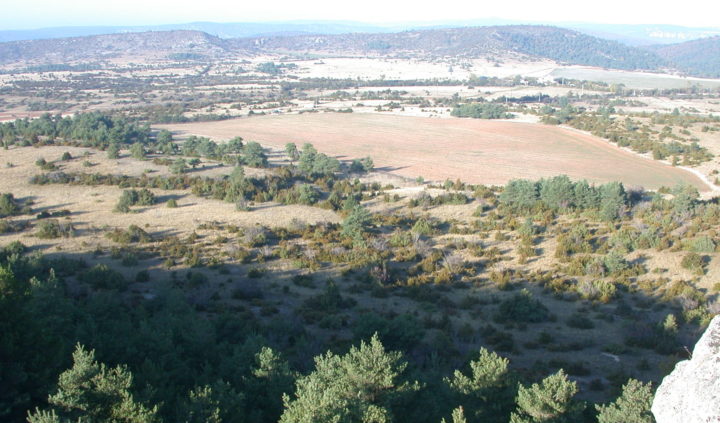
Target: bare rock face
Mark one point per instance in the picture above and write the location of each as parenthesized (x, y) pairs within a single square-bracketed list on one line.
[(691, 393)]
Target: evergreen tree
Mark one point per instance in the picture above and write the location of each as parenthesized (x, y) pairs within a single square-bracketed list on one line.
[(216, 403), (137, 151), (237, 184), (519, 195), (271, 378), (458, 416), (113, 151), (254, 156), (90, 392), (164, 136), (307, 159), (292, 151), (557, 193), (632, 406), (356, 223), (550, 401), (684, 198), (487, 392), (178, 167), (612, 199), (361, 386)]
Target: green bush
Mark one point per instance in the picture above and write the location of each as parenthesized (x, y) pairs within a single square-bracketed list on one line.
[(522, 308), (50, 229), (579, 321), (694, 262), (133, 234), (703, 244), (9, 206), (132, 197), (103, 277)]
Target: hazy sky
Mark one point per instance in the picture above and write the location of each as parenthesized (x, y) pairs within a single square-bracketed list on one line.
[(26, 14)]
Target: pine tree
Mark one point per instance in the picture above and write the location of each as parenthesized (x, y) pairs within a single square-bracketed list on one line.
[(178, 167), (458, 416), (113, 151), (216, 403), (137, 151), (360, 386), (356, 223), (90, 392), (271, 378), (551, 401), (487, 390), (292, 151), (633, 406)]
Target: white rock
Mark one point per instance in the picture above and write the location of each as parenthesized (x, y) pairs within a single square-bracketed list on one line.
[(691, 393)]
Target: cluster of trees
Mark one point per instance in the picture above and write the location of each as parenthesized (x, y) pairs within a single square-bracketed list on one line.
[(559, 193), (195, 146), (89, 129), (628, 133), (97, 358), (311, 163), (272, 68), (131, 197), (481, 111)]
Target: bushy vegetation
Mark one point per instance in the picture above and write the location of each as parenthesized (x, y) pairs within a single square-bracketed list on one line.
[(93, 129), (132, 197), (228, 323), (481, 111)]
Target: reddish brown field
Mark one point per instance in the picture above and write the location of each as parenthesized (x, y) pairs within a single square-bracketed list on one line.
[(476, 151)]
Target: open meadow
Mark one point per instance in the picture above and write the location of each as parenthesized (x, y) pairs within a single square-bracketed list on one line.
[(475, 151)]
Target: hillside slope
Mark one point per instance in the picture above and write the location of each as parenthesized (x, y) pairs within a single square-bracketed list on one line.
[(98, 47), (697, 57), (553, 43)]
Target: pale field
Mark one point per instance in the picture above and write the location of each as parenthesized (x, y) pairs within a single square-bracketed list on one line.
[(476, 151), (91, 206), (378, 68), (632, 80), (667, 105)]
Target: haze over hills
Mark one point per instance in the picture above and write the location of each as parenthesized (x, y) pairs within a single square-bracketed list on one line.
[(634, 35), (557, 44), (697, 57), (553, 43), (99, 47), (222, 30)]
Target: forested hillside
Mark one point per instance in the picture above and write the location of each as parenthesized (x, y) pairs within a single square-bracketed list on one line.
[(697, 57)]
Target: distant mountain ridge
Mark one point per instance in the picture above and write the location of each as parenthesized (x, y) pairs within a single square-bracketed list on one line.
[(547, 42), (630, 34), (221, 30), (99, 47), (697, 57)]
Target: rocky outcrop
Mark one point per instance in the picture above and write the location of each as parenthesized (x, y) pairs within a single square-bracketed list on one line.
[(691, 393)]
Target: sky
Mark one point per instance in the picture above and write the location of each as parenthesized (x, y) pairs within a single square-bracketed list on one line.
[(31, 14)]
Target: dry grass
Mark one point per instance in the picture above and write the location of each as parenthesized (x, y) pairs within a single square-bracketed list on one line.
[(91, 207)]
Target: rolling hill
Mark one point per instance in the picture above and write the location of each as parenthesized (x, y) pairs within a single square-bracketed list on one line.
[(698, 57), (99, 47), (544, 42)]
